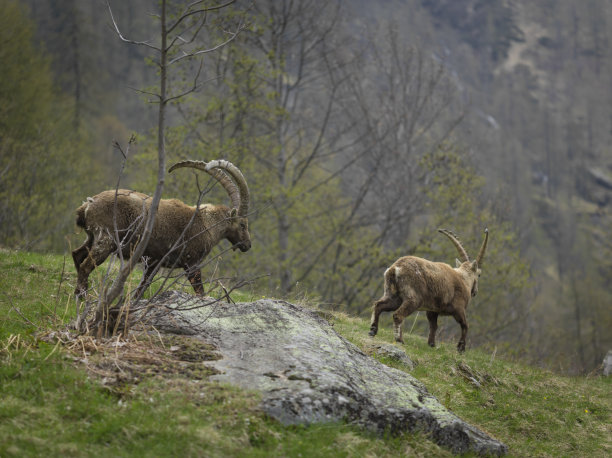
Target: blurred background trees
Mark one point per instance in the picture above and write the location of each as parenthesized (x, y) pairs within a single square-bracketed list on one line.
[(362, 127), (41, 165)]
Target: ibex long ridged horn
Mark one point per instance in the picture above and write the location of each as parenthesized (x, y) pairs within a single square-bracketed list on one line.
[(483, 247), (223, 178), (243, 208), (463, 256)]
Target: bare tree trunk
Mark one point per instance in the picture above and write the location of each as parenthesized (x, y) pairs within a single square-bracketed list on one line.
[(578, 319), (283, 254), (118, 286), (198, 13), (76, 64)]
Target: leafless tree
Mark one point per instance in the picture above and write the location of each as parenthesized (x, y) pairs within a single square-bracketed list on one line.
[(401, 104), (180, 27), (299, 41)]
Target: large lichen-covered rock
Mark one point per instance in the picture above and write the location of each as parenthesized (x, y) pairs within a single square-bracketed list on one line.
[(308, 373)]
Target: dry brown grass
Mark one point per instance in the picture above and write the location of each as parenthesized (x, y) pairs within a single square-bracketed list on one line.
[(121, 361)]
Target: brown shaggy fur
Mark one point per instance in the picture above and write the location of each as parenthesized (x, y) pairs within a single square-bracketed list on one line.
[(176, 240)]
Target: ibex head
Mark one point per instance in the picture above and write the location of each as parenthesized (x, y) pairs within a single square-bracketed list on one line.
[(472, 268), (232, 180), (238, 232)]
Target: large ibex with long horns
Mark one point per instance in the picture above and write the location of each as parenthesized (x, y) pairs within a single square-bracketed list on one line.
[(182, 235), (413, 284)]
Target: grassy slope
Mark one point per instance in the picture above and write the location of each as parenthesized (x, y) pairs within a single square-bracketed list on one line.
[(50, 406)]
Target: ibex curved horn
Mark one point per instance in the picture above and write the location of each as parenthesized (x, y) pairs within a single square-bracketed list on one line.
[(227, 166), (228, 175), (463, 256), (483, 247)]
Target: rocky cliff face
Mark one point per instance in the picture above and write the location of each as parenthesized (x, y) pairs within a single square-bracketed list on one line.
[(308, 373)]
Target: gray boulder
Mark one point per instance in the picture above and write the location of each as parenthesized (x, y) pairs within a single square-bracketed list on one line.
[(308, 373), (391, 352)]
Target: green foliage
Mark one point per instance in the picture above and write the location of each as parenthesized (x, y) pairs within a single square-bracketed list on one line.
[(572, 305), (300, 222), (27, 87), (41, 158), (533, 411)]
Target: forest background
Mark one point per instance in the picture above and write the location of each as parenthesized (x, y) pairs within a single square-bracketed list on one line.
[(361, 128)]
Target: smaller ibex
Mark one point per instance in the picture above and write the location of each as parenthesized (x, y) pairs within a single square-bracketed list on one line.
[(182, 235), (413, 284)]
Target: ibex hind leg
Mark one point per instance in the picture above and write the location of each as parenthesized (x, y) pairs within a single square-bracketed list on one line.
[(98, 253), (384, 304), (432, 317), (408, 306), (79, 255)]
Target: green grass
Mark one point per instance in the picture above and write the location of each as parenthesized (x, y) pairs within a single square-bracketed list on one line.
[(533, 411), (51, 405)]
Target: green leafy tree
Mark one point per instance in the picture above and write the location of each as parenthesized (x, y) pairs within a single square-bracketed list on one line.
[(41, 160)]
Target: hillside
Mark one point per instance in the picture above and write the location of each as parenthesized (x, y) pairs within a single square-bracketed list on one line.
[(355, 124), (533, 78), (140, 397)]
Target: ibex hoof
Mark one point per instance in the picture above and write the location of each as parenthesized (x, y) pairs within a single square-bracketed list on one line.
[(461, 348), (431, 344), (372, 332)]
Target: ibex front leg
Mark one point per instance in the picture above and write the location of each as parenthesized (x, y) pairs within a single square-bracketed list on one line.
[(80, 254), (432, 317), (98, 253), (88, 257), (147, 278), (459, 315), (195, 278)]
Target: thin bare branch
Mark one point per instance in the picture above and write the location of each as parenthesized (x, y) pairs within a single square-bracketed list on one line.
[(201, 52), (194, 87), (190, 40), (141, 91), (186, 13), (126, 40)]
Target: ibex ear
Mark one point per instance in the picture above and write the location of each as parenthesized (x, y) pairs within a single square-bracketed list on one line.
[(457, 263), (233, 212), (474, 266)]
